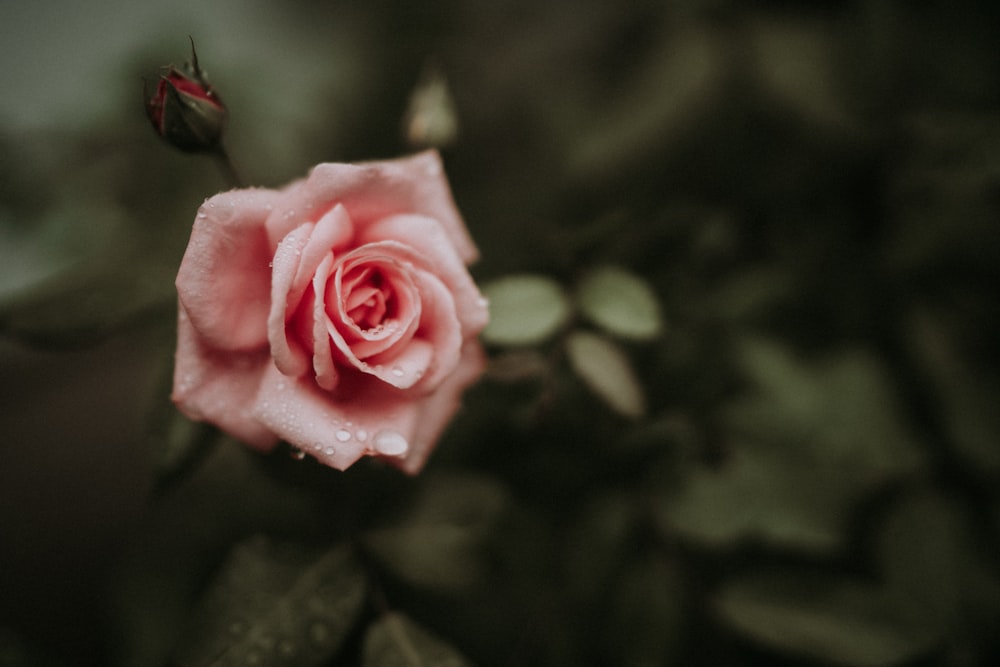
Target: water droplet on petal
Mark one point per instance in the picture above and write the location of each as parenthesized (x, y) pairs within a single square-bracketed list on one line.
[(361, 435), (390, 443), (343, 435), (397, 371), (298, 454), (329, 451)]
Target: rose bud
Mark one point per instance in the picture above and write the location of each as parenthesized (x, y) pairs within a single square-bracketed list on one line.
[(185, 110)]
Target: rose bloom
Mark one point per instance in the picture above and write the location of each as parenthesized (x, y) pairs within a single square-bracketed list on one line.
[(336, 314)]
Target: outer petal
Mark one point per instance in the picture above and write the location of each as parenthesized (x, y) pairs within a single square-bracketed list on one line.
[(223, 282), (365, 418), (437, 410), (431, 249), (336, 431), (374, 190), (219, 386)]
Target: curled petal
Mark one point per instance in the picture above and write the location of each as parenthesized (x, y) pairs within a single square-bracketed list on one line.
[(423, 241), (288, 354), (223, 282), (438, 332)]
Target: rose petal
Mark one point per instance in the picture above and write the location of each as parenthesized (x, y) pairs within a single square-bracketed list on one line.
[(288, 355), (426, 245), (223, 282), (374, 190), (219, 387), (438, 331), (364, 344), (323, 362), (337, 432), (438, 409)]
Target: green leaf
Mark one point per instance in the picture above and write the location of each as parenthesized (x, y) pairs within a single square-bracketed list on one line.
[(840, 411), (757, 495), (396, 641), (525, 309), (606, 371), (621, 303), (966, 396), (438, 542), (276, 604), (821, 618)]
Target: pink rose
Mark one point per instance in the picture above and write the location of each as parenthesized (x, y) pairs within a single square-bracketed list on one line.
[(336, 314)]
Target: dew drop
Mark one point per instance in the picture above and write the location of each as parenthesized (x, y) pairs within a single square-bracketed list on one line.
[(343, 435), (483, 302), (397, 371), (298, 454), (202, 215), (317, 446), (390, 443), (329, 451), (361, 435)]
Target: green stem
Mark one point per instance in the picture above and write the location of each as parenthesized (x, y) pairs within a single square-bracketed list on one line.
[(225, 163)]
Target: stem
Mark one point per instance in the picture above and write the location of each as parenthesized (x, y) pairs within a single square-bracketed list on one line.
[(229, 171)]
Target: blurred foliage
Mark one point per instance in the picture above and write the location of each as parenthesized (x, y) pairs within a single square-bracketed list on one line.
[(802, 468)]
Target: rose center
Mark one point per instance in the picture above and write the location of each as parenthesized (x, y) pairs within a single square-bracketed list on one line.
[(369, 301)]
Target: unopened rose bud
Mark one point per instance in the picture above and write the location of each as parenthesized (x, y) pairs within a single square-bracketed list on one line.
[(185, 110)]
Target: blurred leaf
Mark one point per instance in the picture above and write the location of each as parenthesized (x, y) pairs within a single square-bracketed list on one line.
[(934, 569), (517, 366), (81, 306), (605, 369), (756, 495), (525, 309), (922, 556), (621, 303), (841, 412), (965, 397), (597, 543), (179, 444), (644, 626), (276, 604), (750, 293), (438, 542), (431, 119), (396, 641), (795, 64), (822, 618)]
